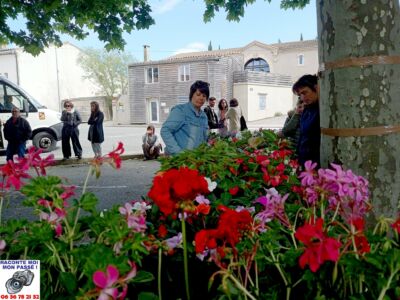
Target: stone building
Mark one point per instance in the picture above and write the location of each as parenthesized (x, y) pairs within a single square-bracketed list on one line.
[(260, 76)]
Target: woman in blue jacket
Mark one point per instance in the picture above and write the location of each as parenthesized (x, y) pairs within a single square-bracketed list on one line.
[(187, 125)]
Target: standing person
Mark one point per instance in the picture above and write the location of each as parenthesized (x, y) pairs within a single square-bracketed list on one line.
[(186, 126), (96, 133), (233, 115), (211, 115), (291, 128), (151, 145), (71, 119), (223, 121), (308, 147), (16, 131)]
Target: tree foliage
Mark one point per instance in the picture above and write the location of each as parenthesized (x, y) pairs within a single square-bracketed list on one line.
[(235, 8), (109, 70), (47, 20)]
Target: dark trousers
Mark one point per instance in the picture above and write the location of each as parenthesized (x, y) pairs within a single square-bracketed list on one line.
[(15, 148), (151, 155), (70, 133)]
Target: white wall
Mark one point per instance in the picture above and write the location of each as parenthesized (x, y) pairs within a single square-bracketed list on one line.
[(121, 110), (278, 100), (38, 76), (287, 62), (8, 66)]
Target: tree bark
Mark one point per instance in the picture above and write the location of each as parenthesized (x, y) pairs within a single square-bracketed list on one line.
[(362, 93)]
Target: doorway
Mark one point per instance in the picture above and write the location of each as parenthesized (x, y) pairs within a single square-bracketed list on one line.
[(153, 110)]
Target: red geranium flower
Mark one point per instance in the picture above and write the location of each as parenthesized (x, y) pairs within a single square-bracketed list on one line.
[(233, 171), (115, 155), (177, 188), (396, 225), (231, 226), (13, 173), (203, 209), (233, 191), (362, 244), (205, 239), (319, 247), (162, 231)]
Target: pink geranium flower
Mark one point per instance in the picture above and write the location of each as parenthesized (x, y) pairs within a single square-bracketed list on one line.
[(55, 218), (69, 191), (135, 215), (173, 242), (3, 245), (274, 207), (105, 282), (108, 282), (308, 175), (34, 160)]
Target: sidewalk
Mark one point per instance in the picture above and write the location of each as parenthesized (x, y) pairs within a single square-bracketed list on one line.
[(131, 136), (268, 123)]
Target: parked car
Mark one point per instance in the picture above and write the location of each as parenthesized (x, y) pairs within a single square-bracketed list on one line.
[(45, 123)]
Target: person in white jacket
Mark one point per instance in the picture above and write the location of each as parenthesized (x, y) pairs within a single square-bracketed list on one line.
[(233, 115)]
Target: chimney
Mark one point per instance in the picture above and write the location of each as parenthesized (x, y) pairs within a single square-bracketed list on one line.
[(146, 53)]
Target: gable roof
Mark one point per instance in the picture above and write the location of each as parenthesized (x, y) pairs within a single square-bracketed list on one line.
[(215, 54)]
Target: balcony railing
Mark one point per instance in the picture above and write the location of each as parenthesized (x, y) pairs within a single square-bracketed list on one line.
[(262, 77)]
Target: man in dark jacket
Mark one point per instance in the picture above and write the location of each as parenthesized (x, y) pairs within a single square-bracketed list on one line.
[(16, 131), (211, 115), (308, 147)]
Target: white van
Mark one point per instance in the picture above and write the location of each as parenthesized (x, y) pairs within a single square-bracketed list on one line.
[(45, 123)]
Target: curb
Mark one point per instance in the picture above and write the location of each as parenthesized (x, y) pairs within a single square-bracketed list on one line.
[(86, 161)]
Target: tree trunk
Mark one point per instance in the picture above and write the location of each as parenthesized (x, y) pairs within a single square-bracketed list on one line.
[(359, 53), (109, 106)]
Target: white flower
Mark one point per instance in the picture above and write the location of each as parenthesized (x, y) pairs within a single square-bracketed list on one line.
[(141, 205), (175, 241), (272, 192), (211, 184), (249, 209)]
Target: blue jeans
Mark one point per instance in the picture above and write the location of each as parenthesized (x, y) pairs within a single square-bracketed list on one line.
[(15, 148)]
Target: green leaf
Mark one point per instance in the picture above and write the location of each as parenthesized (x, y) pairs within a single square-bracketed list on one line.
[(43, 187), (147, 296), (68, 281), (375, 262), (88, 202), (142, 276)]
